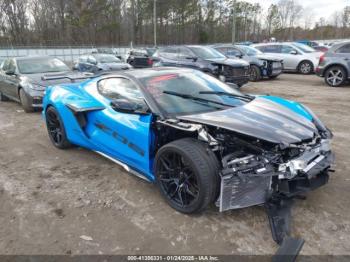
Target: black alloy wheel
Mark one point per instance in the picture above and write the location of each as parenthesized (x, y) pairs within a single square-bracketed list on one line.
[(177, 179), (187, 175), (254, 73), (56, 129)]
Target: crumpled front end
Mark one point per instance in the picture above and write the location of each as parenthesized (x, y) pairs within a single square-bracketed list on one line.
[(254, 179)]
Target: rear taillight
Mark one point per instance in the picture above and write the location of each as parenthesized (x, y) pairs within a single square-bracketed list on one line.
[(150, 62), (321, 59)]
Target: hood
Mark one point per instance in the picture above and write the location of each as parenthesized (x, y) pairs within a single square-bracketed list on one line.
[(229, 62), (261, 118), (113, 66), (37, 79), (268, 57)]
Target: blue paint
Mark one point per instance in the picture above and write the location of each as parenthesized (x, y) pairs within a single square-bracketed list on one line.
[(294, 106), (125, 137)]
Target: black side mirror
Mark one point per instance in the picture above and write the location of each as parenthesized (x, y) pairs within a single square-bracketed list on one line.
[(193, 58), (128, 107), (293, 52)]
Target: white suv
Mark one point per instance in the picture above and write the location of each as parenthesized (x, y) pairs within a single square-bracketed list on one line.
[(296, 57)]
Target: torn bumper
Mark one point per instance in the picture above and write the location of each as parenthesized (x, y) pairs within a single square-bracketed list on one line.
[(255, 183)]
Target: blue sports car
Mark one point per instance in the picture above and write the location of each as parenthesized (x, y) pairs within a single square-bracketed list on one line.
[(198, 139)]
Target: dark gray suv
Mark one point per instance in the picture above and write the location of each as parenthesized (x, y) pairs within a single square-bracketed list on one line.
[(334, 65)]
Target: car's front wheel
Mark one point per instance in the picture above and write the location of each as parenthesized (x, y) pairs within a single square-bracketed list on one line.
[(254, 73), (56, 130), (187, 175), (335, 76)]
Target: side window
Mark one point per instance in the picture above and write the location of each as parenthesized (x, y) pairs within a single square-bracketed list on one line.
[(345, 49), (261, 48), (83, 59), (5, 65), (91, 60), (12, 66), (222, 50), (286, 49), (120, 88), (233, 52), (169, 53), (272, 49), (184, 53)]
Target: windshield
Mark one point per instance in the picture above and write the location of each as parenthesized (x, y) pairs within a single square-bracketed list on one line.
[(304, 48), (250, 51), (107, 59), (41, 65), (166, 89), (206, 52)]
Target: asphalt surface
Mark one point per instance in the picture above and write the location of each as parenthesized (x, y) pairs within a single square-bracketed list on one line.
[(76, 202)]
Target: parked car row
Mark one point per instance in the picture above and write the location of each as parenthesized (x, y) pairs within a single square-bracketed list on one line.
[(23, 79)]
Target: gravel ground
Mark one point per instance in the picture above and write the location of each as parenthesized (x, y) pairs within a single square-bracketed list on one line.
[(76, 202)]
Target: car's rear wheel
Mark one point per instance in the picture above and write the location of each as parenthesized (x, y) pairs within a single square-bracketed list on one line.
[(305, 68), (335, 76), (187, 175), (56, 130), (26, 105), (3, 98), (254, 73)]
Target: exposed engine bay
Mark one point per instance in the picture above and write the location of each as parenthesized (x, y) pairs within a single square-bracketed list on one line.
[(256, 172)]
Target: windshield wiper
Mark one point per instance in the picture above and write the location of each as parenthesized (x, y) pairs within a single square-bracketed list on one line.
[(187, 96), (247, 98)]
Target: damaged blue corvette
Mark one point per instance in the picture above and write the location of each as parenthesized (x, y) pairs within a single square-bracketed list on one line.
[(198, 139)]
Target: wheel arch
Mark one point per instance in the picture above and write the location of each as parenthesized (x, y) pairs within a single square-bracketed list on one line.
[(306, 60), (334, 65)]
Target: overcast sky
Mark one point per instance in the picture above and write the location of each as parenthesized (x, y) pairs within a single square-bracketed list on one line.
[(315, 8)]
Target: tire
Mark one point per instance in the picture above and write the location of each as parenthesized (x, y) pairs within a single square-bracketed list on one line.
[(187, 175), (25, 102), (335, 76), (305, 68), (56, 129), (254, 73), (3, 98)]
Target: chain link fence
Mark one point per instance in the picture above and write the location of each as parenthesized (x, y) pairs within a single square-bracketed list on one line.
[(68, 54)]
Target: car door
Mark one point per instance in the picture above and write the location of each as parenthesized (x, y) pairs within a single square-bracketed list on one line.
[(123, 136), (343, 53), (3, 77), (11, 79), (290, 56), (168, 56), (186, 58)]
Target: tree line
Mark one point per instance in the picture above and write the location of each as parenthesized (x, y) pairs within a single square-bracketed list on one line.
[(120, 22)]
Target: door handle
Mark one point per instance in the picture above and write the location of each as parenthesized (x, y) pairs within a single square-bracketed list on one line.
[(346, 59)]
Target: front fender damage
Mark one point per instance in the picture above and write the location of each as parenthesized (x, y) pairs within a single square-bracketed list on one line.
[(257, 172)]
